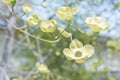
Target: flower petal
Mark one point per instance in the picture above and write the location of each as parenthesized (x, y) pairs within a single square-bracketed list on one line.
[(88, 50), (65, 9), (66, 12), (88, 20), (68, 53), (33, 20), (74, 10), (48, 25), (97, 24), (27, 8), (75, 44), (60, 15), (81, 60), (95, 27), (104, 25)]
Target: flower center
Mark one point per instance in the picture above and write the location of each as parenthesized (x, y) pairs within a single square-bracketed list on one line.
[(78, 54), (49, 27)]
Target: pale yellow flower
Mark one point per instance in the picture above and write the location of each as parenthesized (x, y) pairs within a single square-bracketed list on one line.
[(97, 23), (42, 68), (64, 33), (27, 8), (66, 12), (78, 52), (33, 20), (48, 25)]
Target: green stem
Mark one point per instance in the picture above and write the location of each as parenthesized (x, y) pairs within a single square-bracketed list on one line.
[(69, 22), (52, 35), (33, 36), (68, 25), (28, 39)]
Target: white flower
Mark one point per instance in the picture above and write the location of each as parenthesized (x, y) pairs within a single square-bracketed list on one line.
[(97, 23), (33, 20), (27, 8), (48, 25), (66, 12), (78, 52), (42, 68)]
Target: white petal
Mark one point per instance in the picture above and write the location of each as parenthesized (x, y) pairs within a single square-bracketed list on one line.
[(88, 50), (68, 53), (75, 44)]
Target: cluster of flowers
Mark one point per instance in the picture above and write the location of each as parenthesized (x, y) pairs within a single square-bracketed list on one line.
[(76, 50)]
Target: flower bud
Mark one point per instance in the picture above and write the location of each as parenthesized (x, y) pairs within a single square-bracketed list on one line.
[(33, 20), (26, 8)]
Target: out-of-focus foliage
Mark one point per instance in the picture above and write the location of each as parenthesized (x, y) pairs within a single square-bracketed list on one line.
[(114, 45)]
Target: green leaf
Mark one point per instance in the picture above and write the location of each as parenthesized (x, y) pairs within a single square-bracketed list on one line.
[(13, 3)]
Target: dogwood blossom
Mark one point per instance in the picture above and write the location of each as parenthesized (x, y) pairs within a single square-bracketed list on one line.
[(97, 23), (78, 52), (66, 12)]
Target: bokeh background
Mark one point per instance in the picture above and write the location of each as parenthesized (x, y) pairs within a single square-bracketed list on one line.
[(19, 53)]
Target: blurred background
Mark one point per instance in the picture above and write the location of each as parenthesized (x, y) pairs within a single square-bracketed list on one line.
[(20, 53)]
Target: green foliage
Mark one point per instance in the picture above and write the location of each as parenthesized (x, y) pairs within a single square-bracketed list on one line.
[(113, 45), (98, 63), (117, 4), (13, 3), (112, 78)]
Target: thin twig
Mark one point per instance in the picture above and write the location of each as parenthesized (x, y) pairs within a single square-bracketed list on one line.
[(30, 74)]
